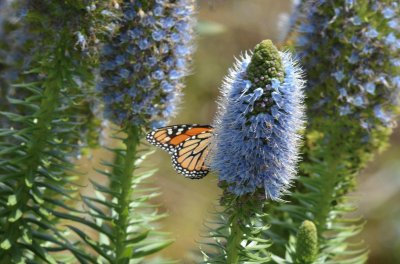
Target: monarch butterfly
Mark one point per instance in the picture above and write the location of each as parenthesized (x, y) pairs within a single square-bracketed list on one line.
[(188, 146)]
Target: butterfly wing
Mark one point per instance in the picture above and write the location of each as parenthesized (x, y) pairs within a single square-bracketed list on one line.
[(168, 138), (188, 145), (189, 157)]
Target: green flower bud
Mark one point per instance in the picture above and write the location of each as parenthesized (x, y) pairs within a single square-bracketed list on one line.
[(307, 242), (265, 65)]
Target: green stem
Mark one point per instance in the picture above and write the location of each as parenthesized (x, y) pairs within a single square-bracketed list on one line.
[(131, 142), (329, 179), (234, 240), (323, 206), (34, 152)]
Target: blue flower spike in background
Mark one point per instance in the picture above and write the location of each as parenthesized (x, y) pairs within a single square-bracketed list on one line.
[(362, 78), (255, 152), (144, 63)]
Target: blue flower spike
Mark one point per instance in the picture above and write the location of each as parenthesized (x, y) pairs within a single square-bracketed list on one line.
[(144, 64), (353, 70), (260, 117)]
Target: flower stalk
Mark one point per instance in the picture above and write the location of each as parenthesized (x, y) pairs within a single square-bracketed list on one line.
[(43, 119), (255, 148), (131, 142), (233, 245)]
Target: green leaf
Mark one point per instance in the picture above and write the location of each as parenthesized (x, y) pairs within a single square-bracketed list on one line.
[(41, 253), (102, 229), (150, 249), (100, 250), (5, 244), (210, 28), (15, 215), (12, 200), (137, 238)]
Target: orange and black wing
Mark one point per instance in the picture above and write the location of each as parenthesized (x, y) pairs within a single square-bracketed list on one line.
[(189, 157), (168, 138)]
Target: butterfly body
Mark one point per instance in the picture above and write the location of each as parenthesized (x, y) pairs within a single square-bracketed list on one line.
[(188, 146)]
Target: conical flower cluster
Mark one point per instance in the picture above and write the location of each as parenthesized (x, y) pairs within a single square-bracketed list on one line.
[(145, 62), (351, 53), (257, 129)]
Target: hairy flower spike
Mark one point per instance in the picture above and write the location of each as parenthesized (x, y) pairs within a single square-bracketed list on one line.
[(352, 60), (261, 113), (145, 63)]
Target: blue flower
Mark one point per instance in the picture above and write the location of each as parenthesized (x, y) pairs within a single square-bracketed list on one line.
[(352, 69), (356, 20), (370, 87), (344, 110), (124, 73), (358, 100), (120, 60), (354, 58), (396, 82), (150, 53), (144, 44), (306, 28), (395, 62), (371, 33), (339, 75), (385, 117), (342, 93), (158, 75), (394, 24), (175, 75), (152, 61), (167, 22), (158, 35), (391, 39), (166, 86), (175, 37), (256, 131), (388, 12)]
